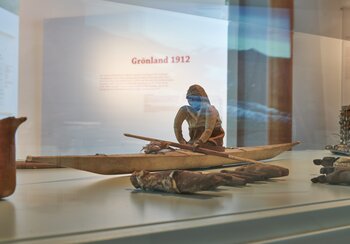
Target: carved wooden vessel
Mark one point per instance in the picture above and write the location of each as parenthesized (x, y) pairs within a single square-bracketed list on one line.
[(8, 127), (179, 159)]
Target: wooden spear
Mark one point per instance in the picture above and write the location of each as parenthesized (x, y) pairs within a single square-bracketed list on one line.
[(195, 149)]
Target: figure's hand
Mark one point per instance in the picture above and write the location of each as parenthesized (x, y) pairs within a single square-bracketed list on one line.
[(183, 141), (197, 144)]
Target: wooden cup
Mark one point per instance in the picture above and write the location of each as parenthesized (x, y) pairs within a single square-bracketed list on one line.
[(8, 127)]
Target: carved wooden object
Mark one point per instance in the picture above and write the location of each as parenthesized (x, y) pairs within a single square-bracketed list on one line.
[(266, 170), (8, 127), (182, 181), (335, 170), (339, 176)]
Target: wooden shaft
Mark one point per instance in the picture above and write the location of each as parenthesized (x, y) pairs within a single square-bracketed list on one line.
[(196, 149)]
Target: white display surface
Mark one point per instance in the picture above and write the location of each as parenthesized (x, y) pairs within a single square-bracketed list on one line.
[(9, 25), (67, 205), (126, 72)]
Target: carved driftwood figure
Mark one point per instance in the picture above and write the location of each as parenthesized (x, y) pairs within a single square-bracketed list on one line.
[(335, 170), (182, 181), (248, 177), (338, 176), (326, 161), (203, 120), (8, 129), (267, 170), (258, 172)]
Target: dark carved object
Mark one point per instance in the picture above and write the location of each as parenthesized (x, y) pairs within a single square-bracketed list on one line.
[(182, 181), (335, 170), (265, 170), (248, 177), (338, 176), (326, 161), (229, 180), (8, 127)]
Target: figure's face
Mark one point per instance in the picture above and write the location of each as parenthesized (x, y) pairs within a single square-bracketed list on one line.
[(194, 102)]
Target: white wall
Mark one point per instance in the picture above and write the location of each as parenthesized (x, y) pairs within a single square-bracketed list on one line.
[(316, 89), (32, 14), (317, 72), (346, 56)]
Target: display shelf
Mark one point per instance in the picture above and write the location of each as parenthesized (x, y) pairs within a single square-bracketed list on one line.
[(67, 205)]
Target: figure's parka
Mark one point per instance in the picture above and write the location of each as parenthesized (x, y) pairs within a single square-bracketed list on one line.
[(203, 119)]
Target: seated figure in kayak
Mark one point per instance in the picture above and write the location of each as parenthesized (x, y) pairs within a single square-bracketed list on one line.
[(203, 120)]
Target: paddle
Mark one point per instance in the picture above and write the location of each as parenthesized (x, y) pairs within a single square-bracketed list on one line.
[(196, 149)]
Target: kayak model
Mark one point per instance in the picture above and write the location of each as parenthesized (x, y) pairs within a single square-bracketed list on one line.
[(178, 159)]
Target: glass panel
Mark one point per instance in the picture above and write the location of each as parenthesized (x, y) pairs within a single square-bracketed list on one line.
[(92, 70), (9, 26)]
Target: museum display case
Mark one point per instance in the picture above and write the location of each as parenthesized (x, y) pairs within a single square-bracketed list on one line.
[(93, 77)]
